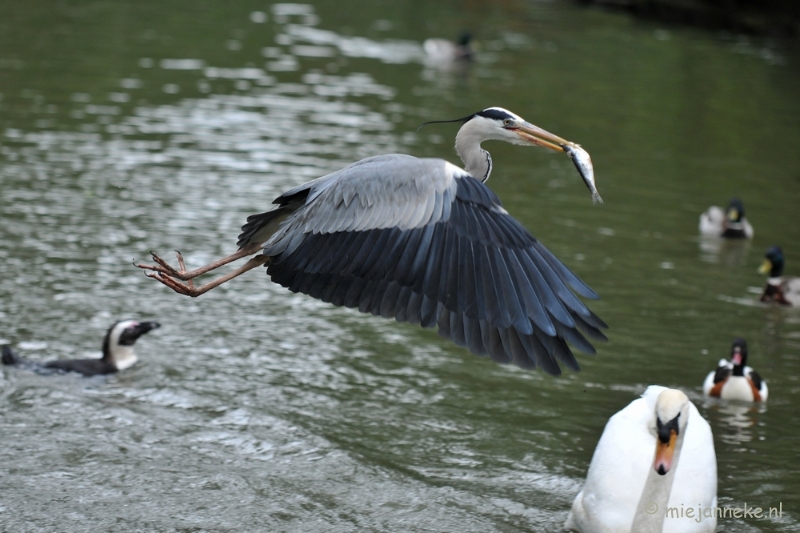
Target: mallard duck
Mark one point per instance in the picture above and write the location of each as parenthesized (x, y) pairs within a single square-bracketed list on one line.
[(656, 453), (734, 380), (443, 51), (729, 223), (779, 289)]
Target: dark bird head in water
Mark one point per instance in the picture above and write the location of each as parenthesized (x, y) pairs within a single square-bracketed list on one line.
[(120, 338), (735, 210), (739, 353), (773, 262)]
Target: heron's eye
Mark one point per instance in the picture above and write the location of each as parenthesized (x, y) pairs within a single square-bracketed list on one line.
[(508, 122)]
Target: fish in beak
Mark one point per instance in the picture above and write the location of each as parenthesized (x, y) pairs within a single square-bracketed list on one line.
[(580, 157)]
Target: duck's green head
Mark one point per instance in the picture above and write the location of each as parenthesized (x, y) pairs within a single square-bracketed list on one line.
[(735, 210), (773, 262)]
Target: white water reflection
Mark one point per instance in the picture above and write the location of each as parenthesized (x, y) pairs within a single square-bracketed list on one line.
[(299, 136), (390, 51)]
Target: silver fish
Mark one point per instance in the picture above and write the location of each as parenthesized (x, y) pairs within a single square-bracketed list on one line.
[(584, 165)]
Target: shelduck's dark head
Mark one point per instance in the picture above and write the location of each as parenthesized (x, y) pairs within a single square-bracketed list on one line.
[(739, 355)]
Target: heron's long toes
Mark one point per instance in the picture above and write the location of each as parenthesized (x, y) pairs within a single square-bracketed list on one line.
[(181, 262), (172, 283), (168, 269), (155, 268)]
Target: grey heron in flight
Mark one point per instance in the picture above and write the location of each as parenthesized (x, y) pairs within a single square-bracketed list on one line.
[(425, 242)]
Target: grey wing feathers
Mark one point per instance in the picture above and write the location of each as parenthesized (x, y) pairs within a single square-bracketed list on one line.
[(426, 243)]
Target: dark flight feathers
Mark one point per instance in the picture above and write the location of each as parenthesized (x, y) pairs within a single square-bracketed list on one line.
[(478, 275)]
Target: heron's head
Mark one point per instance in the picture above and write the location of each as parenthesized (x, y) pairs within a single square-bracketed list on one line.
[(498, 124)]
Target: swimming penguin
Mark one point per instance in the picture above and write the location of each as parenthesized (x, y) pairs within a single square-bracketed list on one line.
[(117, 352)]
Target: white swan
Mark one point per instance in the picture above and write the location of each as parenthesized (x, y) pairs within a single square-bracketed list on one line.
[(734, 380), (653, 467)]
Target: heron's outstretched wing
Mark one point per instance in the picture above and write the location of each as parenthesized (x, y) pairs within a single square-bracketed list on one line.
[(423, 242)]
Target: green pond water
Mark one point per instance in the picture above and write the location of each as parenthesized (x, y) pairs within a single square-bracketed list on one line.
[(131, 126)]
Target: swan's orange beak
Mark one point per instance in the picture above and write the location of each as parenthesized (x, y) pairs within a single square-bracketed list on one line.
[(664, 453)]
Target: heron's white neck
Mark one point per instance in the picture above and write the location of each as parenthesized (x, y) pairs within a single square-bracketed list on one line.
[(477, 162)]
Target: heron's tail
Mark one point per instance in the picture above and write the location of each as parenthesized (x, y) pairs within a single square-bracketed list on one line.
[(260, 227)]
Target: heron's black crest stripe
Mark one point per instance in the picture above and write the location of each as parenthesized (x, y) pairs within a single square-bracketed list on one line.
[(494, 114), (474, 272), (462, 120)]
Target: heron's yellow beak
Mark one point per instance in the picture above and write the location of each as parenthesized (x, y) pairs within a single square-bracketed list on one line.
[(664, 453), (765, 267), (536, 135)]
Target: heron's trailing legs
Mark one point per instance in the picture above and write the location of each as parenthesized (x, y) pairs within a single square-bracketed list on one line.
[(167, 275), (165, 268)]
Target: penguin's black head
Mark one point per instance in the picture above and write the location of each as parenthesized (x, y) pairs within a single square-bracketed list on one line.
[(125, 333)]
